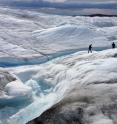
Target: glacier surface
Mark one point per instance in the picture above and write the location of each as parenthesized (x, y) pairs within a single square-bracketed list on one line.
[(29, 38), (95, 74)]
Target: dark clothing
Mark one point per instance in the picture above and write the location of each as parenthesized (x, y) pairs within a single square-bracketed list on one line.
[(90, 48), (113, 45)]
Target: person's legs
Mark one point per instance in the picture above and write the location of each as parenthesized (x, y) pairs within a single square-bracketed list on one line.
[(89, 51)]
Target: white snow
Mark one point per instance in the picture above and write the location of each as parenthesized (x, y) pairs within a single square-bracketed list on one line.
[(16, 88)]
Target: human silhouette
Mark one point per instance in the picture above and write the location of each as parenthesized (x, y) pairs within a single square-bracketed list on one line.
[(113, 45), (90, 48)]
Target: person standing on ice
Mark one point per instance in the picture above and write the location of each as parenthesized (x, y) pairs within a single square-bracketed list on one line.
[(113, 45), (90, 48)]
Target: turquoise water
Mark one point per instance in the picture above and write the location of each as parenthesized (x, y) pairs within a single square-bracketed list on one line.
[(36, 61)]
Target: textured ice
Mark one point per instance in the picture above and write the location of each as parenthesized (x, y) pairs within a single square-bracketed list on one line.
[(17, 89), (29, 37), (62, 77), (12, 90), (32, 37)]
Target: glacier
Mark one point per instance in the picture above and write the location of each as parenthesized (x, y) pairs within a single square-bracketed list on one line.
[(44, 61), (83, 80), (29, 36), (77, 76)]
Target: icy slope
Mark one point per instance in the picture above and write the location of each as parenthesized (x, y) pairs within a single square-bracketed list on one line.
[(87, 83), (30, 34), (89, 80)]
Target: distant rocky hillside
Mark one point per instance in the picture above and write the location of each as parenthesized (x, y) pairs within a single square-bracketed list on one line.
[(102, 15)]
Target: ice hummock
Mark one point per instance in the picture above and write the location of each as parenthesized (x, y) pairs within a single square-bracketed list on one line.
[(12, 89)]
